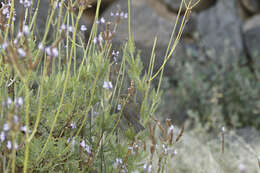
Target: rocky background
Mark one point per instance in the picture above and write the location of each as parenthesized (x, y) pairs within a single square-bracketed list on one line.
[(222, 35), (217, 56)]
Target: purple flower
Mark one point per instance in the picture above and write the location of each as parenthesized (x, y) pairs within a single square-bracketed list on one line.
[(16, 119), (53, 52), (95, 40), (119, 161), (26, 30), (148, 168), (41, 47), (2, 136), (102, 20), (4, 45), (83, 28), (119, 107), (6, 127), (21, 52), (73, 125), (100, 38), (85, 146), (88, 150), (107, 85), (170, 129), (24, 129), (18, 101), (9, 145)]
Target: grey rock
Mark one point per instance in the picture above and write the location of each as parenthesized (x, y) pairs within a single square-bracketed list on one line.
[(41, 18), (149, 20), (253, 6), (174, 5), (251, 32), (219, 28)]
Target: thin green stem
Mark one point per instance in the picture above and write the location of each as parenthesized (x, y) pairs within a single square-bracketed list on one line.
[(65, 86)]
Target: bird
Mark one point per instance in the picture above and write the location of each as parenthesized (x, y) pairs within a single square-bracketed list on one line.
[(131, 115)]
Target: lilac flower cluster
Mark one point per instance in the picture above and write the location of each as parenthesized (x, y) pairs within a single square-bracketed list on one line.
[(115, 55), (18, 102), (119, 164), (99, 39), (12, 124), (107, 85), (4, 45), (85, 147), (121, 14), (148, 167), (26, 3), (6, 11)]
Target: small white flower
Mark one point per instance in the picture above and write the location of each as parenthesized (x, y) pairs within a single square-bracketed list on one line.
[(88, 150), (170, 129), (24, 129), (107, 85), (18, 101), (70, 29), (102, 20), (15, 41), (83, 144), (73, 142), (26, 3), (48, 51), (9, 145), (16, 119), (112, 14), (6, 127), (119, 161), (122, 14), (126, 15), (73, 125), (8, 102), (40, 46), (149, 168), (242, 167), (119, 107), (19, 35), (175, 152), (100, 38), (15, 146), (68, 140), (2, 136), (115, 53), (5, 11), (165, 149), (55, 52), (83, 28), (223, 129), (26, 30), (4, 45), (63, 27), (95, 40), (21, 52)]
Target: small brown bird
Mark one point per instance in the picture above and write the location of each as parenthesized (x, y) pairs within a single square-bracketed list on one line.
[(131, 116)]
